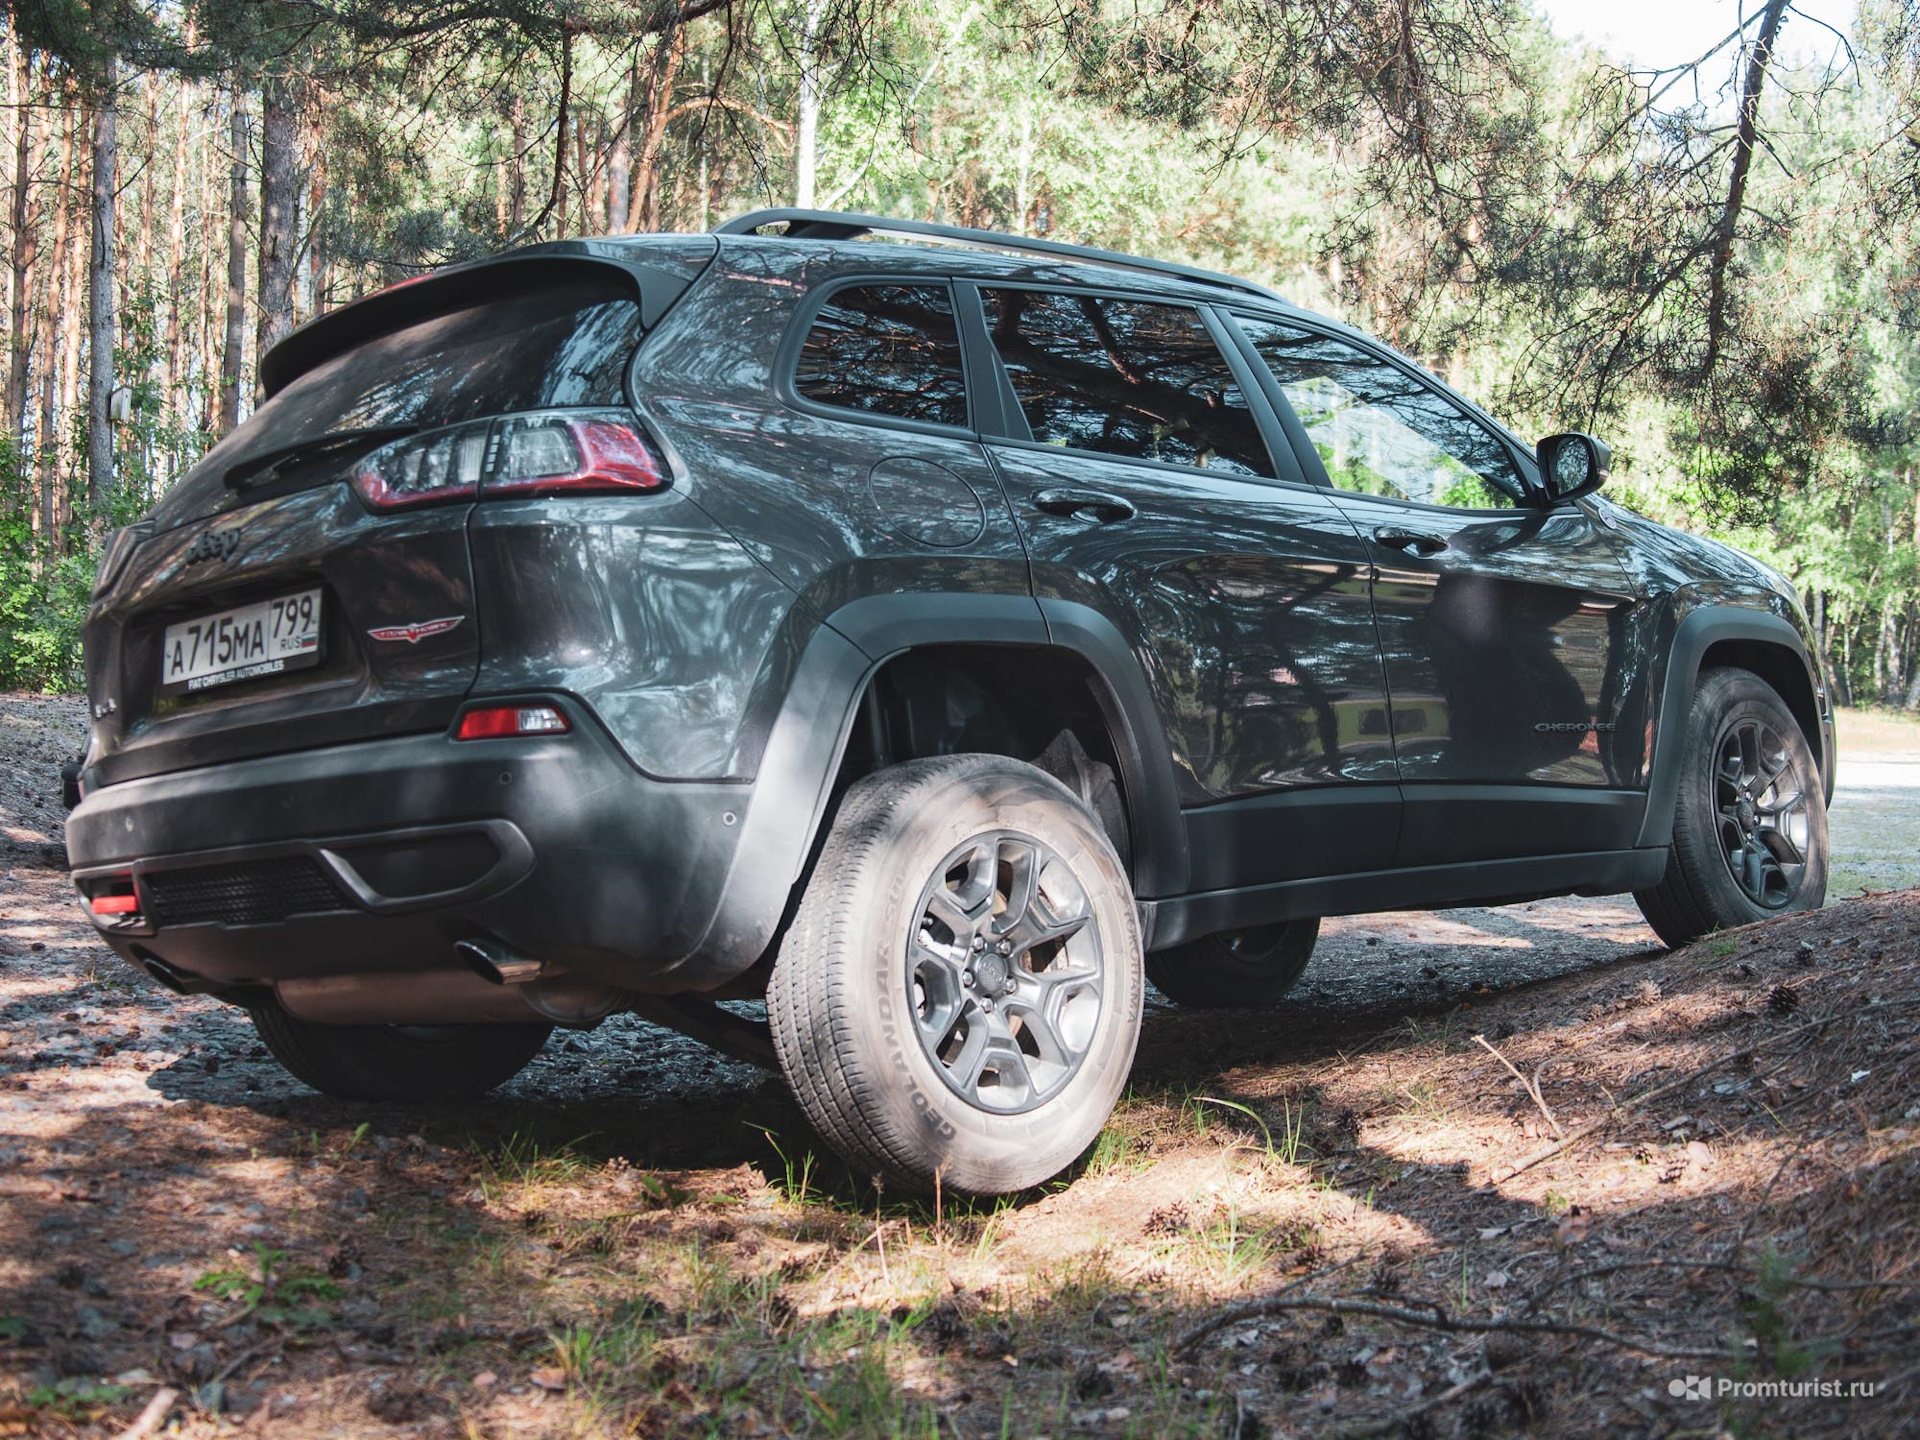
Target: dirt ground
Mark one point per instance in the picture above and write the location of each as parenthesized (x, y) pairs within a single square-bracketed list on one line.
[(637, 1236)]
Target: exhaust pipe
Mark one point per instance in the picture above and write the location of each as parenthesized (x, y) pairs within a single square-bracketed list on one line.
[(176, 980), (496, 964)]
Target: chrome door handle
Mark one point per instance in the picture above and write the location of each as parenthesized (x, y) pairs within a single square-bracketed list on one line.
[(1098, 503), (1418, 543)]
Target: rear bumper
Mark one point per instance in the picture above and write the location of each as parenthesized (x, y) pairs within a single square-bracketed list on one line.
[(382, 854)]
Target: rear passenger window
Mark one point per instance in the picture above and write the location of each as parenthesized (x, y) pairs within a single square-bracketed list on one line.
[(1124, 378), (887, 350)]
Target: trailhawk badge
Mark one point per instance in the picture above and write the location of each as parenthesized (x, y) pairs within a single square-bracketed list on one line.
[(416, 632)]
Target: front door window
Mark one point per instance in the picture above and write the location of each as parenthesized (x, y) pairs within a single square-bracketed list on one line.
[(1379, 429)]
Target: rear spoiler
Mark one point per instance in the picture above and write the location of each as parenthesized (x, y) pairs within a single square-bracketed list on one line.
[(660, 268)]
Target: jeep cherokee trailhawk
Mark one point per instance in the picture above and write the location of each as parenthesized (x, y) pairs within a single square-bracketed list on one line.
[(936, 632)]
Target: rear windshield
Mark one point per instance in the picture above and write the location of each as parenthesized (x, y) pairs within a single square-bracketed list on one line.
[(563, 344)]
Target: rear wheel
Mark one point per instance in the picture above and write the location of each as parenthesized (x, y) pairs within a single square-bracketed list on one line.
[(1750, 819), (959, 994), (397, 1062), (1241, 969)]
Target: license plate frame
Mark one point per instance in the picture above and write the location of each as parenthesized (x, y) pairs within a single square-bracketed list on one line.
[(261, 638)]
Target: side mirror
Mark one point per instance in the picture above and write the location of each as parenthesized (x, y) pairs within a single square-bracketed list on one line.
[(1572, 465)]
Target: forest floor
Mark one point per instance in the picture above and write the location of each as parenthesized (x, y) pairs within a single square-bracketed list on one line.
[(1311, 1220)]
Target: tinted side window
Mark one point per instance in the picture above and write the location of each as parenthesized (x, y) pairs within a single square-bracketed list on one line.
[(887, 350), (1381, 431), (1124, 378)]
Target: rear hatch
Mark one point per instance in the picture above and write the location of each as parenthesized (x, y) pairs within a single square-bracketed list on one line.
[(281, 596)]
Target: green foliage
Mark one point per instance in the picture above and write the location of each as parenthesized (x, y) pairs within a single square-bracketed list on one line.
[(75, 1398), (273, 1292), (1510, 209), (1771, 1340), (43, 599)]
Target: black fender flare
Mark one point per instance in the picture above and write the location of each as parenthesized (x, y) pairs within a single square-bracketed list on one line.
[(809, 735), (1697, 632)]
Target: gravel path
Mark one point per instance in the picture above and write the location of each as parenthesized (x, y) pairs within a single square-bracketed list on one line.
[(60, 990)]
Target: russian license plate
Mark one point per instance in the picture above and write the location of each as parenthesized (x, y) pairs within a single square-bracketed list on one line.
[(244, 643)]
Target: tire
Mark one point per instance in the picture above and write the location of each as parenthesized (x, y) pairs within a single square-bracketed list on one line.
[(1238, 970), (1750, 818), (916, 1050), (397, 1062)]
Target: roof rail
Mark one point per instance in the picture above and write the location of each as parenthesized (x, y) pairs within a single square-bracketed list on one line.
[(841, 225)]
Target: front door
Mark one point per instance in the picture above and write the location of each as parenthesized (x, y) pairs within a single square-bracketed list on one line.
[(1503, 624), (1145, 491)]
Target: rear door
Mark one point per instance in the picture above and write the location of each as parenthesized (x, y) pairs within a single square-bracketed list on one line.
[(190, 660), (1503, 624), (1140, 474)]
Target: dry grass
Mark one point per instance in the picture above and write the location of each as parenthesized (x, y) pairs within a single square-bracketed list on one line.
[(1307, 1221), (1877, 733), (685, 1272)]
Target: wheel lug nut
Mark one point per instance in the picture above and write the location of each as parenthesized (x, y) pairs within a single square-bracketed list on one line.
[(986, 1005), (966, 979), (979, 943), (1005, 947)]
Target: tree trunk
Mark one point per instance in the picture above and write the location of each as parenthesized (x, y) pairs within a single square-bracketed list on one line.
[(316, 230), (620, 163), (206, 361), (279, 204), (73, 305), (176, 247), (13, 124), (101, 297), (1746, 134), (646, 169), (232, 358), (25, 232), (517, 167), (807, 132), (47, 347)]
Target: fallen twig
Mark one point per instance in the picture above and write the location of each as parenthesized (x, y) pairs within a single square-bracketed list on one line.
[(1730, 1267), (1397, 1420), (1436, 1318), (251, 1353), (1581, 1132), (1532, 1087), (153, 1417)]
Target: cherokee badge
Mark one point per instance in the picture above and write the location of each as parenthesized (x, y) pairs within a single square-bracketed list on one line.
[(416, 631)]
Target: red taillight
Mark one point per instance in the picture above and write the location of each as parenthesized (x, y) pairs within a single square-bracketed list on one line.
[(425, 469), (571, 454), (560, 452), (500, 722)]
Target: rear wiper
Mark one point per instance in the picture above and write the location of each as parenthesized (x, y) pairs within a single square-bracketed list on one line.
[(264, 464)]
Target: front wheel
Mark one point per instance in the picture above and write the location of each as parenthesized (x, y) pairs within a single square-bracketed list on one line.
[(1750, 819), (396, 1062), (958, 999)]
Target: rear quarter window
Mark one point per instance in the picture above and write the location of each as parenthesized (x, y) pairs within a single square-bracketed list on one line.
[(886, 350)]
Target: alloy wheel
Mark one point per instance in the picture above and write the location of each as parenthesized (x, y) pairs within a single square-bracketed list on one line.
[(1763, 816), (1004, 969)]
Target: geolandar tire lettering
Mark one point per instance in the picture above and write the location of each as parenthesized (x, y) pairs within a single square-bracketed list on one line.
[(1750, 819), (958, 999)]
